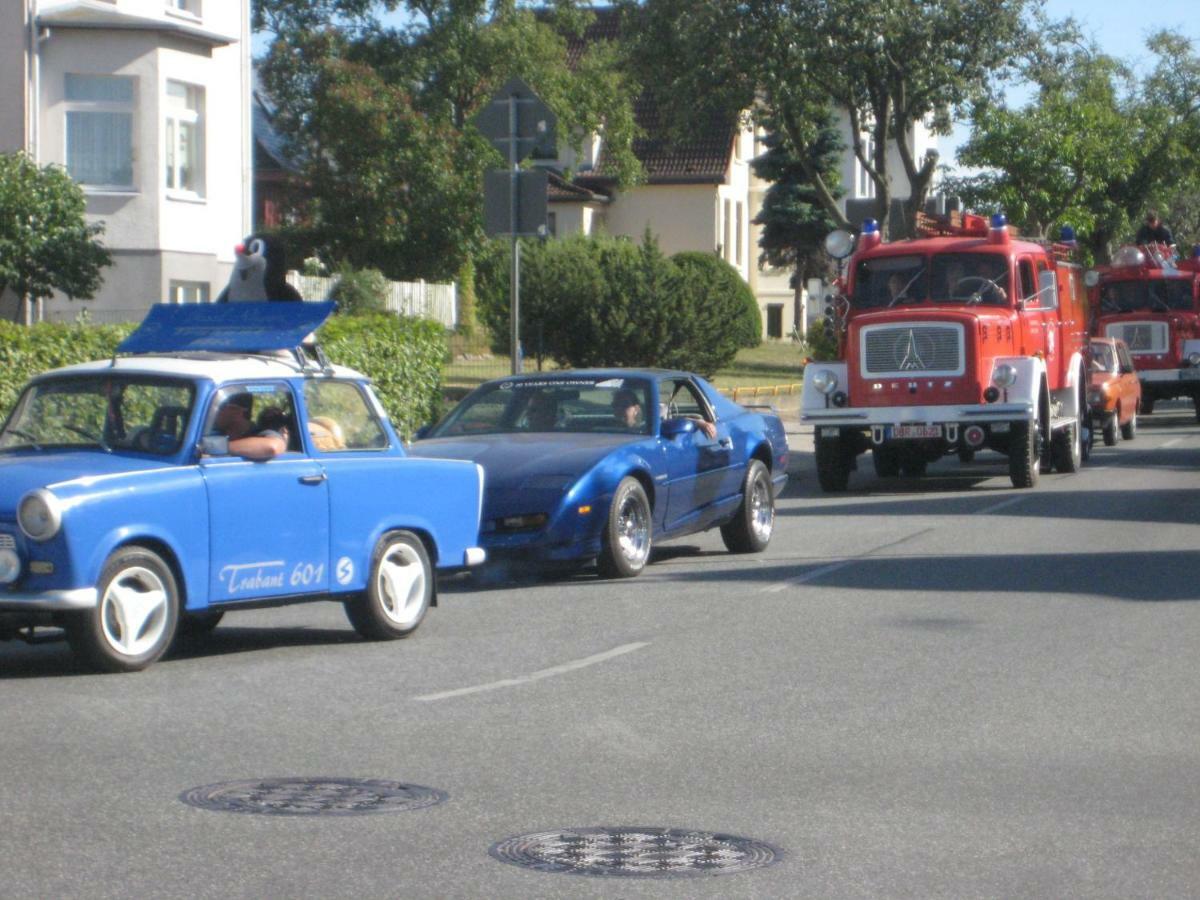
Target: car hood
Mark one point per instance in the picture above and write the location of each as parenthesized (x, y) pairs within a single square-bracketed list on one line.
[(510, 460), (21, 472)]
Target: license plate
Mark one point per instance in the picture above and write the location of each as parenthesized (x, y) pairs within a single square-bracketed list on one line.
[(1189, 374), (830, 432), (909, 432)]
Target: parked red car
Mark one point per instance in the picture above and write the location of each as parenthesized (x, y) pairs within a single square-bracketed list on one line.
[(1115, 393)]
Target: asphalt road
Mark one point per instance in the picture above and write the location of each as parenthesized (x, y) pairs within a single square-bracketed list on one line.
[(924, 688)]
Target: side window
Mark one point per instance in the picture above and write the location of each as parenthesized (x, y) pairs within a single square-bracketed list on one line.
[(1126, 361), (682, 399), (1047, 288), (1028, 285), (341, 418), (261, 407)]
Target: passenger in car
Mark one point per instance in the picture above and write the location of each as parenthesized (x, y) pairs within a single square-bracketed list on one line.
[(244, 439)]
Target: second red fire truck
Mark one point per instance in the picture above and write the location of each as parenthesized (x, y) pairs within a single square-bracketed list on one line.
[(962, 339)]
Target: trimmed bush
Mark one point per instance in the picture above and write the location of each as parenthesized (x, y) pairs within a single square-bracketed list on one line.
[(360, 291), (402, 356), (727, 292)]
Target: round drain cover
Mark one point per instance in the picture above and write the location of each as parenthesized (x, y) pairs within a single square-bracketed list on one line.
[(636, 851), (313, 796)]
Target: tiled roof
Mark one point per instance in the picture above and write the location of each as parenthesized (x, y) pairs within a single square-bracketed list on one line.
[(559, 190), (269, 147)]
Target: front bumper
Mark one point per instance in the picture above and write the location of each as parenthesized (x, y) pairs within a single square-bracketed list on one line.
[(1167, 376), (60, 601), (867, 416)]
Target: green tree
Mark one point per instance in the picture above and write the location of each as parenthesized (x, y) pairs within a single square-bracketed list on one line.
[(46, 244), (1095, 148), (380, 116), (888, 65), (794, 222)]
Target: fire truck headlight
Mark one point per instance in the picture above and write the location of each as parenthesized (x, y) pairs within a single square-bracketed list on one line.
[(1091, 278), (838, 244), (1194, 359), (1004, 376), (825, 381)]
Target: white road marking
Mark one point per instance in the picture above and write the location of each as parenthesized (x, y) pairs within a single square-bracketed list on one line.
[(1172, 442), (535, 676), (833, 567), (1003, 504)]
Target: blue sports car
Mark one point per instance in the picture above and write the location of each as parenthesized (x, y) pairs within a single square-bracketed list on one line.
[(602, 463)]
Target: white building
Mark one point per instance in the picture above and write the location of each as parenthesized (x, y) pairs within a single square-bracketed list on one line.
[(147, 105)]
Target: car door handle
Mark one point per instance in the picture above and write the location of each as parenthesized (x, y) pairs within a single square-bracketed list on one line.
[(312, 479)]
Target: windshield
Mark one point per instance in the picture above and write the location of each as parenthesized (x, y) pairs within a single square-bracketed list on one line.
[(1104, 358), (569, 405), (1157, 294), (967, 278), (141, 414)]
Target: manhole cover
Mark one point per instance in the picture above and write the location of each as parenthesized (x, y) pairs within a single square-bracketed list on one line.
[(313, 796), (636, 851)]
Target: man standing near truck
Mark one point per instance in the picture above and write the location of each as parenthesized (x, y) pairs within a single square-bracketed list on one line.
[(1153, 231)]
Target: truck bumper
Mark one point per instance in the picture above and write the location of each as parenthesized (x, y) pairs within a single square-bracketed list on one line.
[(866, 417)]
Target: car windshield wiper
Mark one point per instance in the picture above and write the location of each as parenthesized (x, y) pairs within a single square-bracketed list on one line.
[(33, 441), (98, 439)]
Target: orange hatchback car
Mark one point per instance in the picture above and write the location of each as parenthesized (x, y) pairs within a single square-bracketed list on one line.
[(1115, 394)]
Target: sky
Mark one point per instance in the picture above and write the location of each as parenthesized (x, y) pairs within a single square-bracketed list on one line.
[(1119, 27)]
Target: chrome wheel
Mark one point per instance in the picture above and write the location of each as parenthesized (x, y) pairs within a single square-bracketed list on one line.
[(633, 531), (762, 510)]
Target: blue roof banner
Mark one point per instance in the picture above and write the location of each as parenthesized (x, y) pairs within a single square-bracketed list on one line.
[(226, 327)]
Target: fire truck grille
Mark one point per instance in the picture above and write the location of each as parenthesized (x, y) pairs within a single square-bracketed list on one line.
[(912, 350), (1141, 337)]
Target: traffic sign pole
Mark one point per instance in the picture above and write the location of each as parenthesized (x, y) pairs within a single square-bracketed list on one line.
[(513, 216)]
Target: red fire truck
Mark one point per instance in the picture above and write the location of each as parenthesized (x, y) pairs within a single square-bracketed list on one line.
[(961, 339), (1151, 301)]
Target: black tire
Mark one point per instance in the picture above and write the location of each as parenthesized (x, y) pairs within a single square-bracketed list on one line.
[(834, 462), (1112, 429), (1147, 405), (1089, 437), (399, 589), (886, 461), (749, 531), (1129, 429), (913, 468), (136, 613), (1066, 448), (1024, 465), (628, 533)]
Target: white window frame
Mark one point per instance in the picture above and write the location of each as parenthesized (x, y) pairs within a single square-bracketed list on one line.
[(181, 292), (175, 119), (190, 8), (127, 108)]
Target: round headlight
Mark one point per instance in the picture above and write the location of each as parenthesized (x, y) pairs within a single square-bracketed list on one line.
[(10, 566), (1004, 376), (825, 381), (1091, 278), (40, 515), (1194, 359), (838, 244)]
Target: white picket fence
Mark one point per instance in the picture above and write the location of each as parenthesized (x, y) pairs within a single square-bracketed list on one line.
[(429, 300)]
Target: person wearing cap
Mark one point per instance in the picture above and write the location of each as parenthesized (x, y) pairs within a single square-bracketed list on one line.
[(243, 438), (1153, 231)]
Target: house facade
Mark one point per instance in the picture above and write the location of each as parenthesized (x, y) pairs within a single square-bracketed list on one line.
[(146, 103)]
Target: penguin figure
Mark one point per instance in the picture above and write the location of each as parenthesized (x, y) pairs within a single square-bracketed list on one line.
[(258, 273)]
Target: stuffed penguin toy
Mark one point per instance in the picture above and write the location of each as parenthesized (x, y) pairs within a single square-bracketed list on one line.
[(258, 273)]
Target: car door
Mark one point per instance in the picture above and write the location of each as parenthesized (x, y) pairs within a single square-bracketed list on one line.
[(1130, 387), (697, 465), (268, 520)]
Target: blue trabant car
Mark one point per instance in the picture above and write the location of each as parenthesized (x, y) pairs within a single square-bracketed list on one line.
[(125, 519), (604, 463)]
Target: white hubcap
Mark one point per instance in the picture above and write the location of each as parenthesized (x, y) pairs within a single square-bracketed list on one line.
[(134, 611), (401, 584)]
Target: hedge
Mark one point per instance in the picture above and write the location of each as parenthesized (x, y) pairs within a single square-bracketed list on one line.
[(402, 356)]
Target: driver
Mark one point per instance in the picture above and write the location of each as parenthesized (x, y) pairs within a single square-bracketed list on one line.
[(234, 422)]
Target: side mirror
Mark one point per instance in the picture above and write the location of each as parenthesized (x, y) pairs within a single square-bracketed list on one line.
[(673, 428), (214, 445)]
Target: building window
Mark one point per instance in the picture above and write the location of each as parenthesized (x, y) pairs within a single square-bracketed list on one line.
[(185, 137), (774, 320), (99, 119), (189, 292), (737, 241), (191, 7), (866, 185)]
